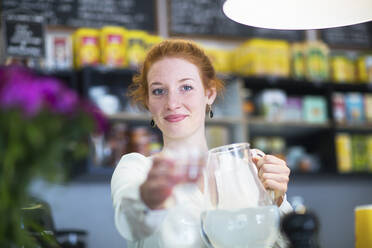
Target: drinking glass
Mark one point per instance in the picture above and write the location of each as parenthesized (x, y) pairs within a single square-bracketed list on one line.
[(180, 228), (239, 213)]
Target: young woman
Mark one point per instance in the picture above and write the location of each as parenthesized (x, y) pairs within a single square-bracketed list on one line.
[(178, 85)]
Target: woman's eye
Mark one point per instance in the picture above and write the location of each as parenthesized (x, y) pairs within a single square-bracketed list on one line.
[(187, 87), (157, 92)]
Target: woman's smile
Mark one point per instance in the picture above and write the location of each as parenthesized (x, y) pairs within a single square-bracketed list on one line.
[(175, 117)]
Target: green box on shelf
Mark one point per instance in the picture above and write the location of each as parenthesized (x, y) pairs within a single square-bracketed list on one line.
[(315, 109), (359, 153)]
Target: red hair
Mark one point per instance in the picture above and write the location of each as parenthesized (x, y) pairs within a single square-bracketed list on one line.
[(188, 50)]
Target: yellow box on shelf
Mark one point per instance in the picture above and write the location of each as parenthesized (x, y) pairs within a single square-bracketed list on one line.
[(86, 47), (152, 40), (278, 58), (343, 152), (113, 42), (317, 65), (221, 59), (259, 57), (137, 47), (343, 69), (298, 70), (364, 65), (359, 153), (369, 152), (362, 69)]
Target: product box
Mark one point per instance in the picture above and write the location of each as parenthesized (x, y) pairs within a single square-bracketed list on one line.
[(261, 57), (368, 63), (317, 64), (293, 109), (338, 102), (369, 152), (279, 58), (86, 47), (152, 40), (221, 59), (362, 69), (343, 152), (359, 153), (59, 51), (113, 44), (272, 104), (137, 47), (298, 60), (354, 105), (343, 69), (368, 107), (315, 109)]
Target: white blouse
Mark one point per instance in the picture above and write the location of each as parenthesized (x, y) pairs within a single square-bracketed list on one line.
[(145, 228)]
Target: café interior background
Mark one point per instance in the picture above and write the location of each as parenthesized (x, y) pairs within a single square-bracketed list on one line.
[(86, 203)]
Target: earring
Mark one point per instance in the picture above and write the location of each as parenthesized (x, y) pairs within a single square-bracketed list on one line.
[(152, 123), (210, 111)]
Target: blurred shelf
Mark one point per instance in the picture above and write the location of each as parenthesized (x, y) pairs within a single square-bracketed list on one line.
[(57, 72), (351, 87), (218, 120), (294, 86), (123, 116), (289, 85), (108, 70), (227, 120), (119, 78), (362, 127), (259, 126)]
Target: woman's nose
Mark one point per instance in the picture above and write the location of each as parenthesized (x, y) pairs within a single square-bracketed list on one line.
[(173, 101)]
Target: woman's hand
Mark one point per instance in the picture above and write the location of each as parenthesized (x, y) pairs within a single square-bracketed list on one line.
[(159, 183), (163, 176), (273, 173)]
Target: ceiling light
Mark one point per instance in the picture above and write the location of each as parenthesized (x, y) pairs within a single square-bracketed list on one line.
[(298, 14)]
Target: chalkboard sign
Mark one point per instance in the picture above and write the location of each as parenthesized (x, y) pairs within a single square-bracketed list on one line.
[(206, 18), (354, 36), (24, 34), (132, 14)]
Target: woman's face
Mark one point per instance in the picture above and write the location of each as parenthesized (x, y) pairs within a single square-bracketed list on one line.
[(177, 98)]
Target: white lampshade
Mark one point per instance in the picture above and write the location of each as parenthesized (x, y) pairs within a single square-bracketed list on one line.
[(298, 14)]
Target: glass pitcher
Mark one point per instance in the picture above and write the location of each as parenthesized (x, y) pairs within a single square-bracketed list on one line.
[(239, 213)]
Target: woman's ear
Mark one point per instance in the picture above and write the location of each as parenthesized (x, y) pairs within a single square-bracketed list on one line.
[(211, 95)]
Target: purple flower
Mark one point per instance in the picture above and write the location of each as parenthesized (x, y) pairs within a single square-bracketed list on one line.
[(57, 97), (67, 102), (100, 120), (30, 93), (19, 90), (50, 89)]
